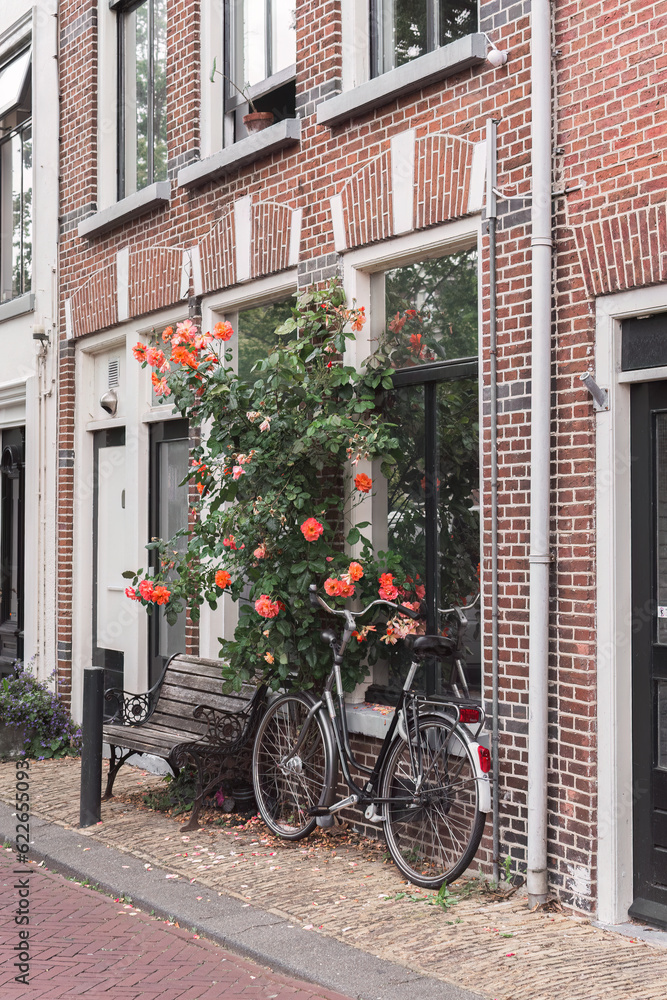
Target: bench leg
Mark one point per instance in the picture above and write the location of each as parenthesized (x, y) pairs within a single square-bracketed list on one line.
[(115, 764)]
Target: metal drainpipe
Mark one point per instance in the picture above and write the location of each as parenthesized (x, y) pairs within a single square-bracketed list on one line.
[(540, 413), (491, 128)]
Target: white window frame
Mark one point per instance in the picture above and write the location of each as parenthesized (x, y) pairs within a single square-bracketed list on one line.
[(226, 306)]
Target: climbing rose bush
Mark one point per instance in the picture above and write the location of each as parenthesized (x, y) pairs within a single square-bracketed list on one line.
[(275, 500)]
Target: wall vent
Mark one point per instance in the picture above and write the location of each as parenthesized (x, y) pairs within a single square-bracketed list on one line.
[(114, 373)]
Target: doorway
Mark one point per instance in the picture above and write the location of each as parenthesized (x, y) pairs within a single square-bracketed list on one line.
[(649, 649)]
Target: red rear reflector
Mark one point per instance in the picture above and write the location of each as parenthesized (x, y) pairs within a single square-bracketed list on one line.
[(484, 759), (469, 715)]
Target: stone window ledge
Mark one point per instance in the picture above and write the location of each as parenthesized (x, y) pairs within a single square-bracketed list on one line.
[(232, 158), (368, 719), (127, 209), (19, 306), (414, 75)]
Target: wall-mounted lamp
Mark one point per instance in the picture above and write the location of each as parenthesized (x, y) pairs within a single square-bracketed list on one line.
[(495, 57), (600, 396), (109, 401), (39, 333)]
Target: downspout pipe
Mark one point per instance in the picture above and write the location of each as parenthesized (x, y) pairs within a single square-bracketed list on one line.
[(540, 414), (491, 215)]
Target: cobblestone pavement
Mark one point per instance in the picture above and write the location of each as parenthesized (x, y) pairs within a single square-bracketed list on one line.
[(86, 944), (497, 948)]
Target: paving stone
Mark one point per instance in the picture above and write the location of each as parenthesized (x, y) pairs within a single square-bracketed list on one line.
[(498, 949)]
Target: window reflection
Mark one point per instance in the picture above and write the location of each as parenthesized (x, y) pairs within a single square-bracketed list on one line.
[(15, 177)]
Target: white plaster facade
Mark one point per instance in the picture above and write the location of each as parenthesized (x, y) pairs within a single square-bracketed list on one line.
[(28, 367)]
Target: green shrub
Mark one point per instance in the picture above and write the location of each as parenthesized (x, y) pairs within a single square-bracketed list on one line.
[(49, 728)]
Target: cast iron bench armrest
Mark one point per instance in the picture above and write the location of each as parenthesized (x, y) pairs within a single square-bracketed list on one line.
[(135, 709), (228, 729)]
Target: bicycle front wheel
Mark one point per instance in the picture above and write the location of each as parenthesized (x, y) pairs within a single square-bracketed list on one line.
[(433, 825), (288, 785)]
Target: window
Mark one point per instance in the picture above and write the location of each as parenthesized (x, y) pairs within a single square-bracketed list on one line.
[(142, 95), (260, 57), (433, 492), (169, 506), (256, 333), (15, 176), (402, 30)]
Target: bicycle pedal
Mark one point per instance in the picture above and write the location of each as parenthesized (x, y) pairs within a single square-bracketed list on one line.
[(319, 811)]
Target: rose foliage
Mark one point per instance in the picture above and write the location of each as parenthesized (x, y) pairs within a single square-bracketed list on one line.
[(275, 504)]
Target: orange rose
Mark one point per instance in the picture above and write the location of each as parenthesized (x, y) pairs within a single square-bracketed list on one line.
[(363, 482), (311, 529), (222, 579)]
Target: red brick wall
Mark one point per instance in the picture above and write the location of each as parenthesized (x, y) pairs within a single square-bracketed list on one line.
[(610, 234)]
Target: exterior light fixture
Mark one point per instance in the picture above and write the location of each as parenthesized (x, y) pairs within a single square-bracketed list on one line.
[(600, 396), (39, 333), (495, 57), (109, 401)]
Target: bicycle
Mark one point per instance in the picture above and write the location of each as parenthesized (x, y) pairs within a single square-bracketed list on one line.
[(429, 787)]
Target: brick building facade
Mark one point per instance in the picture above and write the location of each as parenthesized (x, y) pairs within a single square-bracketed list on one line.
[(376, 162)]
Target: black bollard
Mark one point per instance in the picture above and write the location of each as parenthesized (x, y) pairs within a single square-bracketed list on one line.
[(91, 752)]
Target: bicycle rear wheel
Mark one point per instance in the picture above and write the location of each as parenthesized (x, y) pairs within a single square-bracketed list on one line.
[(433, 827), (287, 787)]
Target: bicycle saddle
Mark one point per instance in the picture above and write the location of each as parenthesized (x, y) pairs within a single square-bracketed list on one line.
[(432, 645)]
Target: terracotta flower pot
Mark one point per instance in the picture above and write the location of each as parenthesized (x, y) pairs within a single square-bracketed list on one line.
[(256, 121)]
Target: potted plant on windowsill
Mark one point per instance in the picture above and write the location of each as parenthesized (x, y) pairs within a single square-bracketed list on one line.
[(254, 121)]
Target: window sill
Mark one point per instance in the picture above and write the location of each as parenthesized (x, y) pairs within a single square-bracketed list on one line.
[(140, 203), (254, 147), (19, 306), (430, 68)]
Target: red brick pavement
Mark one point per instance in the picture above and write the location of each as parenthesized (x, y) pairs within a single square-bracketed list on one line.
[(83, 944)]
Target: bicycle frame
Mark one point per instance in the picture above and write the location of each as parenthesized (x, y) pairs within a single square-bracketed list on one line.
[(408, 701)]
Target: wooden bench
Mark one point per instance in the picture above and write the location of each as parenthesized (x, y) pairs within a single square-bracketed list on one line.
[(185, 718)]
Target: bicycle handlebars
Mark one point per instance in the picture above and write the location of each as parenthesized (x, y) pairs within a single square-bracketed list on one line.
[(317, 601)]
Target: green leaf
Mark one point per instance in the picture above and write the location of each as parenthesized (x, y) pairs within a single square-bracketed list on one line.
[(353, 536)]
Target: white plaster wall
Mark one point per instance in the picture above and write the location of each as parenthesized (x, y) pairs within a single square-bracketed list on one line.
[(22, 358)]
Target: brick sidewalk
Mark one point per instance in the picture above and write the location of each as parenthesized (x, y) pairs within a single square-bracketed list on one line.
[(84, 944), (499, 949)]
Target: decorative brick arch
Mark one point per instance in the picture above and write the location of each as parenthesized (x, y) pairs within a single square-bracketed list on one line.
[(271, 236), (412, 184), (94, 305), (216, 249), (154, 279), (623, 251)]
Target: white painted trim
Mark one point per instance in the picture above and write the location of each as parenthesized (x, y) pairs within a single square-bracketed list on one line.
[(421, 245), (195, 260), (356, 43), (69, 326), (295, 237), (477, 177), (640, 375), (614, 600), (269, 289), (13, 393), (403, 180), (338, 222), (211, 93), (243, 233), (123, 283), (184, 289), (107, 118)]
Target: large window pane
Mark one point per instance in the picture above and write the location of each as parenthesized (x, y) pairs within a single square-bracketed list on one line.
[(264, 39), (431, 310), (15, 177), (256, 333), (143, 118)]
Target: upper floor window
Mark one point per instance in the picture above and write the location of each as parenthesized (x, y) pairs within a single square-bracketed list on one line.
[(260, 58), (15, 176), (142, 96), (402, 30)]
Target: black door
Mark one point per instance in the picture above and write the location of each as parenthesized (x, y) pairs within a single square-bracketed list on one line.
[(649, 650), (12, 479)]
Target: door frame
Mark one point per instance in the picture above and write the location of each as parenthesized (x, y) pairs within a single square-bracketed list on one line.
[(615, 873)]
